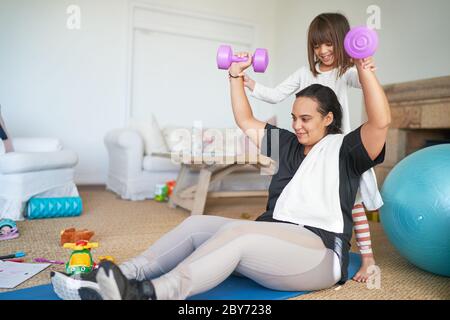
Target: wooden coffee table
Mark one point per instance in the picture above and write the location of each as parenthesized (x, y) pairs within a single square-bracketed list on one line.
[(212, 168)]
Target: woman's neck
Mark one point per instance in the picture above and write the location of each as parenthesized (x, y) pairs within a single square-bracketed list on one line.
[(307, 149)]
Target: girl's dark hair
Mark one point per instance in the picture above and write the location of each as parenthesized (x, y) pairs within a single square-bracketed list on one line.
[(329, 28), (328, 102)]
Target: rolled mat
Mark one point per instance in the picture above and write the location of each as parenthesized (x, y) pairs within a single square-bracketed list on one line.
[(42, 208)]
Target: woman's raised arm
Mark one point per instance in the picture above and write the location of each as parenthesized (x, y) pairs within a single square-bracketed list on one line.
[(242, 110), (374, 131)]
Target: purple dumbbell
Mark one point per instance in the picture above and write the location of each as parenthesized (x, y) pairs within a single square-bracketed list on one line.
[(361, 42), (225, 58)]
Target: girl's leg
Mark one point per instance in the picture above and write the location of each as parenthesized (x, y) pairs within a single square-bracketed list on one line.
[(363, 239), (279, 256), (362, 231), (168, 251)]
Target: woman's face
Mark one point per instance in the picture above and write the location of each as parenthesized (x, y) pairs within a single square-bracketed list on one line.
[(308, 124)]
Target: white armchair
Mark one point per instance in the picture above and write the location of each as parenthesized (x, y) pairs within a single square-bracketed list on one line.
[(38, 167), (132, 174)]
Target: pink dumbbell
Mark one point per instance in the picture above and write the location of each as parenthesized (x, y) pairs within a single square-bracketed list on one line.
[(361, 42), (225, 58)]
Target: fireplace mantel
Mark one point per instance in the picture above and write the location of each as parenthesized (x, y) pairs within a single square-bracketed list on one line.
[(420, 111)]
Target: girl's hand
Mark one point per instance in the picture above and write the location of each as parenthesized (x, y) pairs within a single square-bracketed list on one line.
[(237, 68), (366, 64), (249, 82)]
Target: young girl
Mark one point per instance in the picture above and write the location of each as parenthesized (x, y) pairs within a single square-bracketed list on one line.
[(329, 65)]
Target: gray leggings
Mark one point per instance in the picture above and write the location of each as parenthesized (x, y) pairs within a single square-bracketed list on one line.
[(203, 251)]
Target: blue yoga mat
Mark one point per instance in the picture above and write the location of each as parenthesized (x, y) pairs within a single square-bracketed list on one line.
[(234, 288)]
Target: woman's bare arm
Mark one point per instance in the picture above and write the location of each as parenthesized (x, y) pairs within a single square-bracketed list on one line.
[(242, 110), (374, 131)]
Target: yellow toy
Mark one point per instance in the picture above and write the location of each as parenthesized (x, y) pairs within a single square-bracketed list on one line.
[(106, 258), (81, 260)]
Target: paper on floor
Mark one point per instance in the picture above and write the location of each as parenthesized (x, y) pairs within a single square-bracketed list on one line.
[(12, 273)]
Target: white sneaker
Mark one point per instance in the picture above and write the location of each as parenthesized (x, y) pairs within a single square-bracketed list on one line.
[(68, 287)]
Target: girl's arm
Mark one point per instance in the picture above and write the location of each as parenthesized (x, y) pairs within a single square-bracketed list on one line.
[(374, 131), (242, 110), (280, 92)]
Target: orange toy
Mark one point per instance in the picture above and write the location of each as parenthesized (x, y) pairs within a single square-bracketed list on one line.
[(171, 185), (71, 235)]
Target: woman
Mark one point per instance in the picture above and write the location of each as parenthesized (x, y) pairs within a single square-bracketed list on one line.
[(300, 243)]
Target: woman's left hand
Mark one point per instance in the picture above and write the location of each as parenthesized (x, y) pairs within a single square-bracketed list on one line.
[(238, 68)]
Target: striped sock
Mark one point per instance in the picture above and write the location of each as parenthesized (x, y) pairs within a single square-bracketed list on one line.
[(362, 232)]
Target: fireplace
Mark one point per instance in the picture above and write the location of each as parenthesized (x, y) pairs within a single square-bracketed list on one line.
[(420, 118)]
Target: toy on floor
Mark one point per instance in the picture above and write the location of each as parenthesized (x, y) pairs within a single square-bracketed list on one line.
[(8, 229), (71, 235), (164, 191), (42, 208), (416, 210), (80, 260)]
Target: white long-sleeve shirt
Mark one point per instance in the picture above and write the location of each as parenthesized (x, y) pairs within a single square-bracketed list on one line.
[(303, 78)]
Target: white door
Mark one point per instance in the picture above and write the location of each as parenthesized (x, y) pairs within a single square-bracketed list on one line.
[(174, 71)]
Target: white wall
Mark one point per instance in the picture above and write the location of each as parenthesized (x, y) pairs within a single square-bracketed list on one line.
[(413, 41), (62, 83), (72, 84)]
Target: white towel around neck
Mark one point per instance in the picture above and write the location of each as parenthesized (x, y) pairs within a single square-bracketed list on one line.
[(312, 196)]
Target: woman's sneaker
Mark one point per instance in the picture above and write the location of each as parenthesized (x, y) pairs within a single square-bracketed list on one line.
[(115, 286), (76, 287)]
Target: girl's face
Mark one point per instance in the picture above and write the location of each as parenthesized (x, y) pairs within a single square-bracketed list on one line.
[(308, 123), (325, 53)]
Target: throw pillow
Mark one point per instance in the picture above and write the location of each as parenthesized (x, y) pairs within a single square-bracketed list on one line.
[(151, 134)]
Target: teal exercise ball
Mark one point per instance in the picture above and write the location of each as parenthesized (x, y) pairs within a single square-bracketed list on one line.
[(416, 211)]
